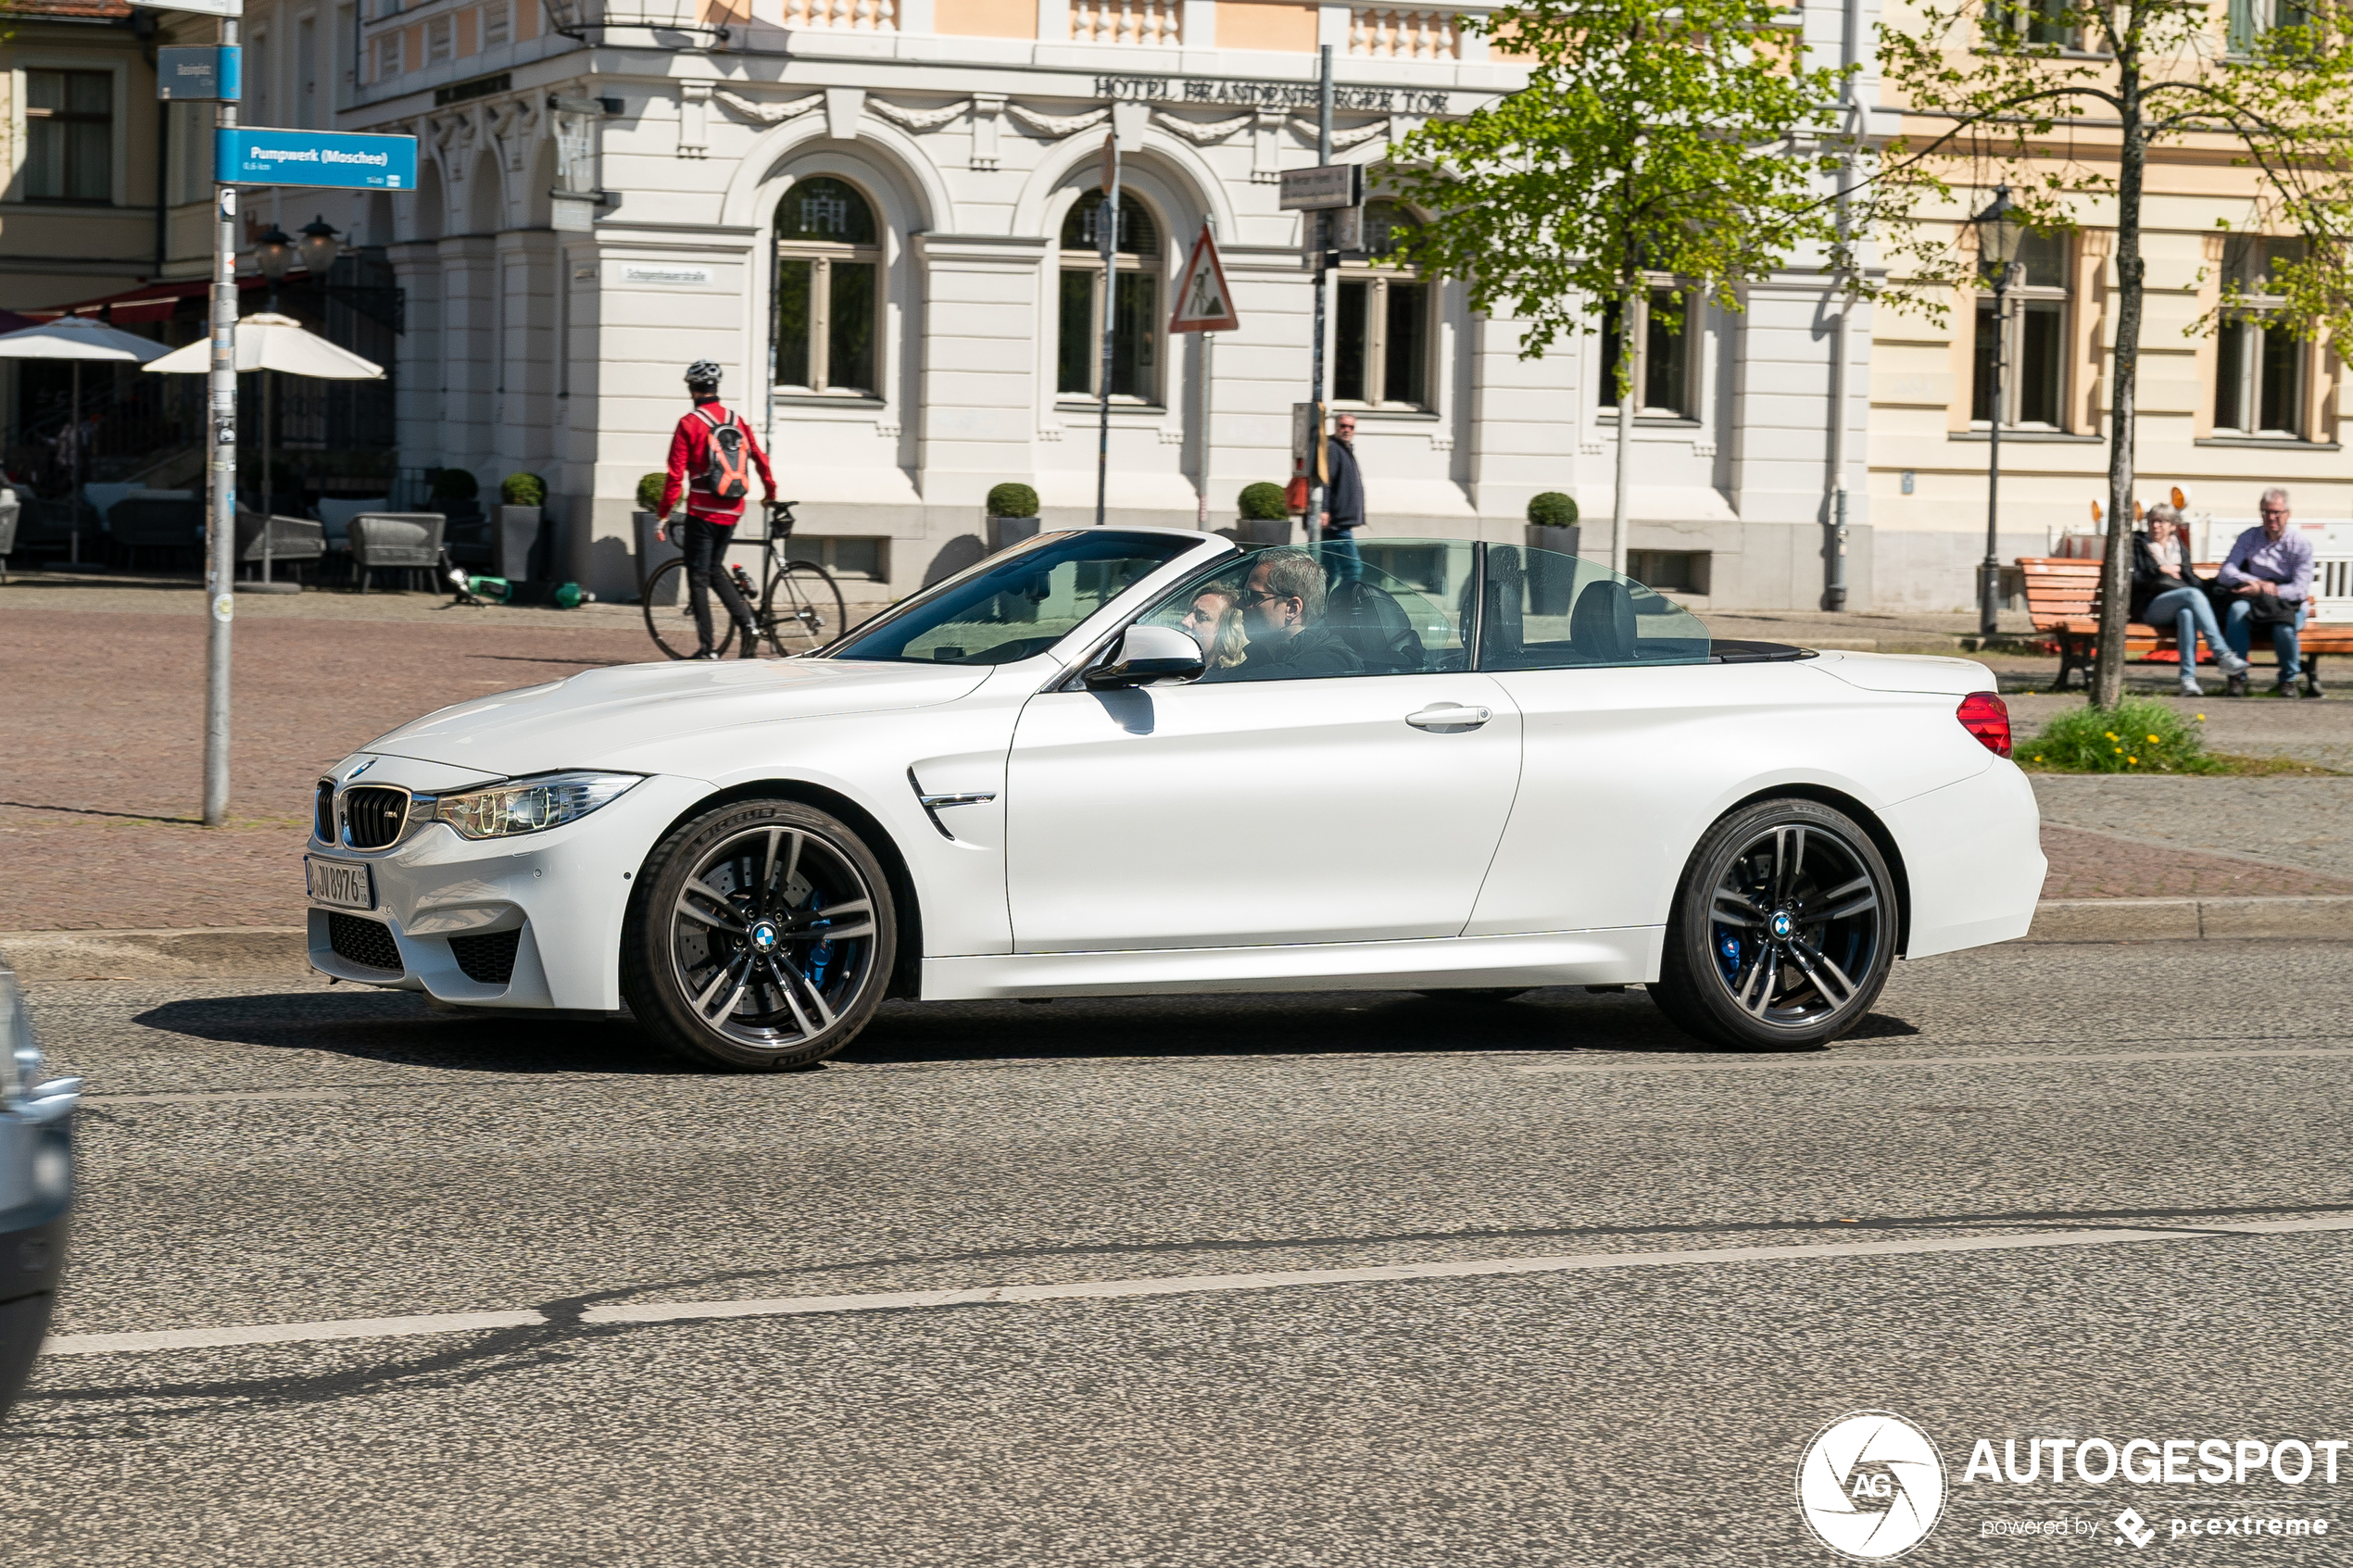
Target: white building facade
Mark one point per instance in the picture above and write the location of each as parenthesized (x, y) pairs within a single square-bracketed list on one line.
[(878, 215)]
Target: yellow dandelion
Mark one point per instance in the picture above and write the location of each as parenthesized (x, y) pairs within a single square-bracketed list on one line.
[(2153, 741), (2113, 735), (2134, 761), (2201, 717)]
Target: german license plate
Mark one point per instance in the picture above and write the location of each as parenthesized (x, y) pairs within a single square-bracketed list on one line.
[(346, 884)]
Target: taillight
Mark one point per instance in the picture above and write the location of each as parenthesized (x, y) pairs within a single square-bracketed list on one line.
[(1985, 716)]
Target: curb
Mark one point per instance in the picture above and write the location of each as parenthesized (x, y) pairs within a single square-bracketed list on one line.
[(220, 953), (238, 952), (2186, 920)]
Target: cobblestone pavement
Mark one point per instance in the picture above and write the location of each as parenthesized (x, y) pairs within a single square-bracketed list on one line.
[(101, 742), (100, 752)]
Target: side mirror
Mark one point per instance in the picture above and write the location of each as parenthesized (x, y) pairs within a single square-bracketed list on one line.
[(1147, 654)]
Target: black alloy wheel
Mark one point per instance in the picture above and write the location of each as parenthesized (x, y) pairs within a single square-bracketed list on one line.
[(1781, 932), (761, 936)]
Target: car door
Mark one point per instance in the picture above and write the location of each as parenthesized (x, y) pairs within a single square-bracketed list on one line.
[(1238, 812)]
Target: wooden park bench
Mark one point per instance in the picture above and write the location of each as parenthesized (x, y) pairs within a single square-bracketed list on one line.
[(2062, 599)]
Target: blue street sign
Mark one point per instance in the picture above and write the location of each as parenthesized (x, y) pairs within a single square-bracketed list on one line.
[(248, 156), (211, 74)]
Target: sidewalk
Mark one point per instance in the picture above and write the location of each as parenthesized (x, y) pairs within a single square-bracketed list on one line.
[(101, 755), (101, 738)]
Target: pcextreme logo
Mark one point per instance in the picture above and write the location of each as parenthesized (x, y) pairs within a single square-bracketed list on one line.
[(1871, 1485)]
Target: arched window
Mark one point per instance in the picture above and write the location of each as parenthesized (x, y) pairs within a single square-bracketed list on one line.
[(1381, 345), (1134, 362), (828, 291)]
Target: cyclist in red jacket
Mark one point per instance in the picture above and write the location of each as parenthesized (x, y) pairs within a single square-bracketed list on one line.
[(712, 453)]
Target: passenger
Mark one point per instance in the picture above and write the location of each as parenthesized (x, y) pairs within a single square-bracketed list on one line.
[(2167, 591), (1282, 606), (1215, 623)]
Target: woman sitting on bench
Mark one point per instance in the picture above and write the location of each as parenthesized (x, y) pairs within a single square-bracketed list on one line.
[(2168, 591)]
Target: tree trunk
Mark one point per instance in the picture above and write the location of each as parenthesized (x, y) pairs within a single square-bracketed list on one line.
[(1618, 506), (2116, 570)]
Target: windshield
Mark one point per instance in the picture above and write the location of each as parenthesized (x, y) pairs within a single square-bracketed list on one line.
[(1017, 603)]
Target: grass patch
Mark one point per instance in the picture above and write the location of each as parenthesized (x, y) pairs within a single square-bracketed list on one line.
[(2138, 735)]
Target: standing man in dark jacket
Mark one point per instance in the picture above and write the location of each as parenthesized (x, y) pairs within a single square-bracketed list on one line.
[(1343, 499), (712, 454)]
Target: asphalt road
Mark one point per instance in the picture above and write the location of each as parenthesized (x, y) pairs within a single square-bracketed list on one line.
[(292, 1155)]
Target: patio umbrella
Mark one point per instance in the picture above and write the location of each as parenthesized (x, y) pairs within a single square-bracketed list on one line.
[(267, 342), (77, 338)]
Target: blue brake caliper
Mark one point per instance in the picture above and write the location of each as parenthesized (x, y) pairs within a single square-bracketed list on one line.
[(823, 953), (1728, 954)]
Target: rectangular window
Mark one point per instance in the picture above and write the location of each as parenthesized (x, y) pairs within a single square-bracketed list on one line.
[(1135, 353), (307, 73), (387, 46), (2258, 378), (1662, 376), (796, 297), (440, 43), (70, 135), (861, 559), (1074, 359), (850, 326), (827, 312), (494, 24), (1380, 342), (2025, 349)]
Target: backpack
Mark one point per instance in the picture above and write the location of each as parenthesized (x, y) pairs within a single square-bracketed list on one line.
[(726, 467)]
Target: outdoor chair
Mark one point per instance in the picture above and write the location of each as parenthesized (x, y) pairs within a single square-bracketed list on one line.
[(404, 542), (170, 524), (292, 540)]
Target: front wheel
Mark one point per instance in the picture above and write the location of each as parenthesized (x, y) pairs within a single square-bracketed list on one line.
[(761, 937), (1783, 930), (802, 609)]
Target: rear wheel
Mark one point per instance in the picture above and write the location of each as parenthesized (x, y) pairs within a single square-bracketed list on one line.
[(670, 614), (761, 937), (803, 610), (1783, 930)]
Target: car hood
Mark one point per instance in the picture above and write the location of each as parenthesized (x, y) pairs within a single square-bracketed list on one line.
[(621, 716)]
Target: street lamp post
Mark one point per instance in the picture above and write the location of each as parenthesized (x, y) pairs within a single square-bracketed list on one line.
[(321, 244), (274, 254), (1999, 232)]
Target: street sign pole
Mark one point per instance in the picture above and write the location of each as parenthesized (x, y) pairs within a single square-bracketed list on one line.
[(221, 537), (1316, 231), (1107, 240)]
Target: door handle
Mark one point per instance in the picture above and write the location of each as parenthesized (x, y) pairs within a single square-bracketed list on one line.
[(1449, 718)]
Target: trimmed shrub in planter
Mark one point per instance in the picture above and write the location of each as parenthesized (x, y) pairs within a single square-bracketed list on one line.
[(1012, 500), (649, 490), (454, 484), (524, 489), (1261, 503), (1552, 526)]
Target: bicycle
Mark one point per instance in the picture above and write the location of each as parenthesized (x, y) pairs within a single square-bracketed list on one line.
[(801, 608)]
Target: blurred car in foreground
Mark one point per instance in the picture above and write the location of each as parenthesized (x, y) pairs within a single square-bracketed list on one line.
[(36, 1190)]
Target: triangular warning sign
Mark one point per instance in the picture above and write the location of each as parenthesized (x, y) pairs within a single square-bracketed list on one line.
[(1204, 303)]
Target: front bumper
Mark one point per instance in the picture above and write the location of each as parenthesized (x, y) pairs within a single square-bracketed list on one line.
[(528, 921)]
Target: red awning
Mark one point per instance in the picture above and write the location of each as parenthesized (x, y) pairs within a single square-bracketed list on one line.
[(149, 302)]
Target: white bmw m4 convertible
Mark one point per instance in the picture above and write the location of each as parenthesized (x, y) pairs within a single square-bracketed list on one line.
[(1128, 761)]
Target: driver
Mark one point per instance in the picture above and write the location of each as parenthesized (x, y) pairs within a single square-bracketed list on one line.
[(1283, 610)]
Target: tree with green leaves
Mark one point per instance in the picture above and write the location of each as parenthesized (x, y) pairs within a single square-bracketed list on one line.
[(1682, 140), (2065, 103)]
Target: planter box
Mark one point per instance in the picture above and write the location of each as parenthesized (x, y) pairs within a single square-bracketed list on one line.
[(1265, 530), (1005, 531), (1551, 583), (514, 532), (652, 552)]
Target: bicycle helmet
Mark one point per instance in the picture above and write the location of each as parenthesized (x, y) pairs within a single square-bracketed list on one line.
[(702, 373)]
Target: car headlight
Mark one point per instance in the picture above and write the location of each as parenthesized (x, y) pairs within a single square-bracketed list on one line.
[(502, 810)]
